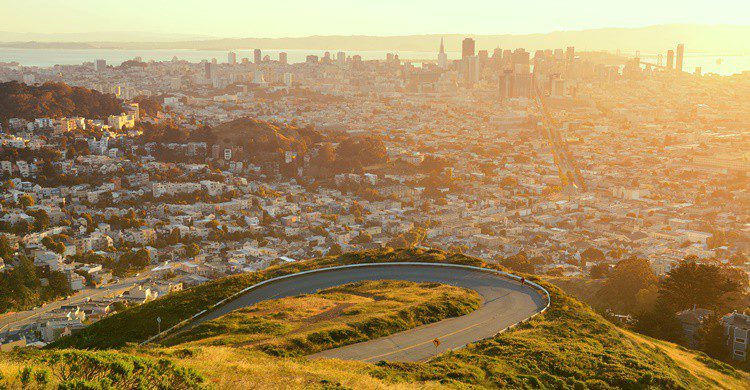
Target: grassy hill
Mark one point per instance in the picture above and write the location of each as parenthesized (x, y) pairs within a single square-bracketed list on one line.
[(305, 324), (139, 323), (570, 346)]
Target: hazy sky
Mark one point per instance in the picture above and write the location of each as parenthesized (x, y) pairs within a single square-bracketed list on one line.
[(279, 18)]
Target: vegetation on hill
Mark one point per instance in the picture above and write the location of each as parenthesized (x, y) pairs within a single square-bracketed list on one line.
[(630, 287), (569, 346), (333, 317), (54, 100), (139, 323), (258, 137), (22, 287), (73, 369)]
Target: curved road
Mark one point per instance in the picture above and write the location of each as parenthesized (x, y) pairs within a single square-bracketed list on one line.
[(505, 303)]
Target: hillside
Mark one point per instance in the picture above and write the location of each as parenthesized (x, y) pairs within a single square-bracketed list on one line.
[(262, 137), (570, 346), (337, 316), (54, 100)]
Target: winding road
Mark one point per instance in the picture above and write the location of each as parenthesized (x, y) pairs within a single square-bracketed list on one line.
[(505, 302)]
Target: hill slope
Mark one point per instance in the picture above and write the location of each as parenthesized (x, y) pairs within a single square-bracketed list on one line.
[(569, 346)]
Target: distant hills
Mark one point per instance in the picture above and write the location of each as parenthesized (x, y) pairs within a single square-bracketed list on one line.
[(100, 36), (714, 39)]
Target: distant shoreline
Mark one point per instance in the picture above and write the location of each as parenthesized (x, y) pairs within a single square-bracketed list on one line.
[(707, 39)]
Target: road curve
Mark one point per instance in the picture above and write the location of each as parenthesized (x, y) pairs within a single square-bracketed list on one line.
[(505, 303)]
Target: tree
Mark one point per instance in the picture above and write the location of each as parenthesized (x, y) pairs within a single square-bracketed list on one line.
[(738, 259), (25, 201), (707, 286), (661, 323), (592, 255), (334, 250), (626, 279), (41, 219), (5, 250), (519, 263), (192, 249), (710, 337), (599, 271), (58, 285)]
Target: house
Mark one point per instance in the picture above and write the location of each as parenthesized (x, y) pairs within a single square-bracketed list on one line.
[(139, 295), (736, 327)]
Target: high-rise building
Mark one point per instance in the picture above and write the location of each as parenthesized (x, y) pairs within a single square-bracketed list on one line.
[(521, 60), (232, 58), (670, 59), (467, 48), (470, 69), (341, 58), (506, 84), (442, 57), (484, 56), (283, 58), (100, 65), (570, 54), (257, 56), (209, 70), (680, 57)]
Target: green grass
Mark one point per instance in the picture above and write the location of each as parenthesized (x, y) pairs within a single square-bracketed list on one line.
[(337, 316)]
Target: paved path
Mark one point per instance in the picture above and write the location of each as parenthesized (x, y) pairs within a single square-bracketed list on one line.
[(12, 321), (505, 302)]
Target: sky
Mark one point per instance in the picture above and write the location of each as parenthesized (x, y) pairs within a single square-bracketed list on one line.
[(294, 18)]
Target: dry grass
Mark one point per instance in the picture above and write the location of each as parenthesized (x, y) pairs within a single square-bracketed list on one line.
[(232, 368), (689, 361), (279, 321)]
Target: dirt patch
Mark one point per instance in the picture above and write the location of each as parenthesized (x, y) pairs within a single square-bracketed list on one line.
[(330, 313)]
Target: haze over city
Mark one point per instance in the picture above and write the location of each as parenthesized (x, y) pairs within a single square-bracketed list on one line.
[(369, 195)]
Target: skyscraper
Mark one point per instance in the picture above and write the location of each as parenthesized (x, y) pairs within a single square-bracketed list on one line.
[(341, 58), (283, 58), (680, 56), (208, 70), (570, 54), (232, 58), (670, 59), (442, 57), (257, 56), (467, 48), (100, 65)]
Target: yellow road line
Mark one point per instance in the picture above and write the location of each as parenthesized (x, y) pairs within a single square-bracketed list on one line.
[(428, 341)]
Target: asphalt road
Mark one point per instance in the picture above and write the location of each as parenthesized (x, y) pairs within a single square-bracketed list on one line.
[(505, 302), (17, 320)]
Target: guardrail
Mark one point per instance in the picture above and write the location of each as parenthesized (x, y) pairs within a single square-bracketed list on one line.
[(320, 270)]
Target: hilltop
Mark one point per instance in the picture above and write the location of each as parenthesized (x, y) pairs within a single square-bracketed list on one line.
[(54, 100), (570, 346)]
